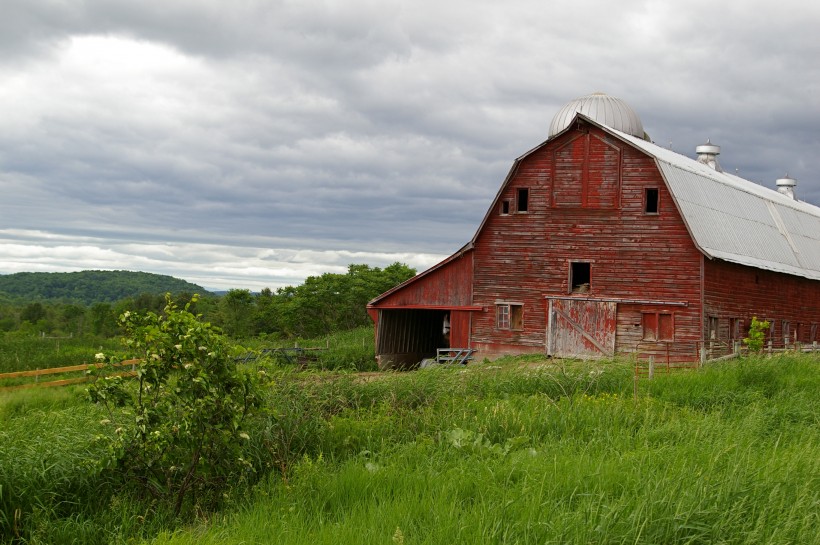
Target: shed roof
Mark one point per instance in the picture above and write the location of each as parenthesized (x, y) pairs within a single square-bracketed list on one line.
[(737, 220)]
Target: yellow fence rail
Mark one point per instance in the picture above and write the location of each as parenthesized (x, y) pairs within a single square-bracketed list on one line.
[(36, 374)]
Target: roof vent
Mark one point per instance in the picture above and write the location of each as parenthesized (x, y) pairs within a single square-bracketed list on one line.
[(707, 154), (786, 186)]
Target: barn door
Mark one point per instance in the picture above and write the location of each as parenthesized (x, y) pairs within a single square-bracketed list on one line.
[(581, 329)]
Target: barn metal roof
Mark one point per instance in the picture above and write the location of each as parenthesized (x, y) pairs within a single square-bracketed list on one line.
[(737, 220)]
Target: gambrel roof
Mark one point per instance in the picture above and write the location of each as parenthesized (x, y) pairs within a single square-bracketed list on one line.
[(728, 217), (737, 220)]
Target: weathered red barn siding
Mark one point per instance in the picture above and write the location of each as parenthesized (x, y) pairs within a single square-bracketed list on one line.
[(733, 291), (460, 321), (450, 285), (525, 257)]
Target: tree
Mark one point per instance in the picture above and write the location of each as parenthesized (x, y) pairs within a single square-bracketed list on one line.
[(181, 435), (237, 312)]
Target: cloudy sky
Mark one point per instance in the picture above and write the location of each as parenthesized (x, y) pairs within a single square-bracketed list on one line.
[(252, 143)]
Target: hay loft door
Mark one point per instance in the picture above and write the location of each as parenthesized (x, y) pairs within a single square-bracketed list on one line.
[(578, 328)]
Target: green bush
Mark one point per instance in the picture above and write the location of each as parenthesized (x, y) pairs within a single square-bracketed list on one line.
[(182, 435)]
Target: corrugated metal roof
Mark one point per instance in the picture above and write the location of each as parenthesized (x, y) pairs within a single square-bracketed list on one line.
[(737, 220)]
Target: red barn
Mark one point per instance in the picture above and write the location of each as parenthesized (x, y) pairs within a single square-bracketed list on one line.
[(600, 243)]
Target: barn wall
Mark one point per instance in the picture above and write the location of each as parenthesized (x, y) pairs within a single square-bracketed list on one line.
[(449, 285), (734, 291), (460, 329), (523, 257)]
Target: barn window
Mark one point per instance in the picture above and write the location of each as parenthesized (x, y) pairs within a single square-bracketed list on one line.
[(509, 316), (523, 199), (712, 332), (735, 325), (658, 326), (505, 208), (786, 331), (813, 337), (580, 277), (650, 201)]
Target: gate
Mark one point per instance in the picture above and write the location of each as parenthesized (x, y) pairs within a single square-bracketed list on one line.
[(581, 328)]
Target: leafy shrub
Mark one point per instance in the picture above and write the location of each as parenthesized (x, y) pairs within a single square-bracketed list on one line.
[(757, 334), (182, 433)]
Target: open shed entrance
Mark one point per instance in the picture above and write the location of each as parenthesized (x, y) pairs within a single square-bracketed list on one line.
[(581, 328), (404, 337)]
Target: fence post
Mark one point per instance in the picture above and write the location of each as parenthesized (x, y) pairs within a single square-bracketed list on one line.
[(651, 367)]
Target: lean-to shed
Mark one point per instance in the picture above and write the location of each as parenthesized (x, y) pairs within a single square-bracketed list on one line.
[(601, 242)]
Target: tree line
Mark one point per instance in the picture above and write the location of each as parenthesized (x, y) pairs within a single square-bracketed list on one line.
[(89, 287), (321, 305)]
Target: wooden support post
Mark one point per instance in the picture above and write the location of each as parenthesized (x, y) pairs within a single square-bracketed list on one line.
[(651, 367)]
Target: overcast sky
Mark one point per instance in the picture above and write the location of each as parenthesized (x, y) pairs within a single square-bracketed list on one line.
[(244, 144)]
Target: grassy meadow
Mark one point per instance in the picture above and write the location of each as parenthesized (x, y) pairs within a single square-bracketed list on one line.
[(27, 353), (514, 451)]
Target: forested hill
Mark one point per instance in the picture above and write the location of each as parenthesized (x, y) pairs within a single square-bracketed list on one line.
[(90, 287)]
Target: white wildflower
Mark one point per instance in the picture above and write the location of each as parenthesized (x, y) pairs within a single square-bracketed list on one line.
[(99, 356)]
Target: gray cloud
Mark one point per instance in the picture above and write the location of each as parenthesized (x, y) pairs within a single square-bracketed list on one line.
[(364, 130)]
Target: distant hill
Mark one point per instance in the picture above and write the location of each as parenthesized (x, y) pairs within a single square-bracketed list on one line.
[(90, 287)]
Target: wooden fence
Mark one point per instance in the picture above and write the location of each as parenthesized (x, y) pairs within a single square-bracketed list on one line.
[(36, 374), (665, 357)]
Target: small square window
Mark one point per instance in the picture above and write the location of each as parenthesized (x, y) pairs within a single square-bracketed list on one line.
[(712, 324), (523, 199), (650, 204), (509, 316), (735, 326), (658, 326), (580, 277), (505, 208)]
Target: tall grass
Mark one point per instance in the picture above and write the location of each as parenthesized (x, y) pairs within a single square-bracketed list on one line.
[(28, 353), (509, 452), (726, 455)]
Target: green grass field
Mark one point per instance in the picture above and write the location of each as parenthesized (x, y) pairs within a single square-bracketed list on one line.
[(26, 353), (503, 452)]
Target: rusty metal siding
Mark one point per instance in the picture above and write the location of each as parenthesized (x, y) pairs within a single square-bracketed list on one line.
[(633, 255), (737, 291)]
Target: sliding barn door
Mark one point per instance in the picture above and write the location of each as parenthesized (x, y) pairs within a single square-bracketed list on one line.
[(581, 329)]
